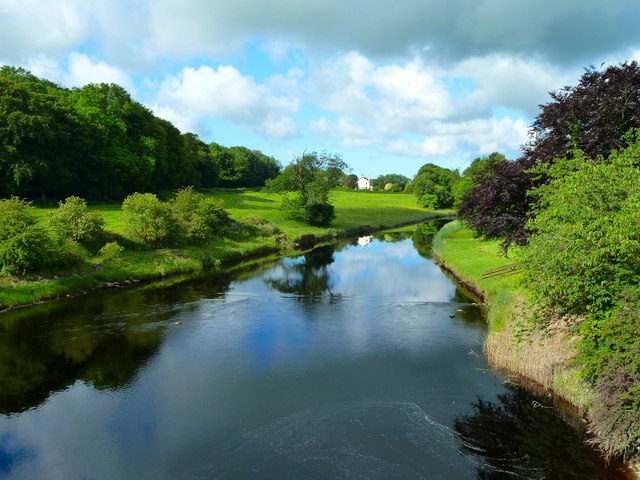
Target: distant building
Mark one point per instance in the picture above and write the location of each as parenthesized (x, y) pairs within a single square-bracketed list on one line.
[(364, 183)]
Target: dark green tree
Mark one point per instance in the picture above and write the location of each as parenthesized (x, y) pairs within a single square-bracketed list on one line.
[(433, 186), (314, 175)]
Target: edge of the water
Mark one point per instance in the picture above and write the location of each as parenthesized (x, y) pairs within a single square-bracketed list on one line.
[(540, 365)]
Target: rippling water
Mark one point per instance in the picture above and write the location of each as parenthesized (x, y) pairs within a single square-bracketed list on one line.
[(359, 361)]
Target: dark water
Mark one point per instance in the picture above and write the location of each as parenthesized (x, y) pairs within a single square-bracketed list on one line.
[(350, 362)]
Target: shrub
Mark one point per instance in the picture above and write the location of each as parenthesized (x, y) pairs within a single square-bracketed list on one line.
[(319, 214), (610, 353), (148, 218), (110, 252), (24, 245), (197, 217), (185, 209), (72, 220)]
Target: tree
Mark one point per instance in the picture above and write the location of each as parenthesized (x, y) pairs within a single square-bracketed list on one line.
[(498, 202), (349, 181), (314, 175), (433, 186), (593, 117), (28, 124), (242, 167), (473, 174), (394, 178), (584, 248)]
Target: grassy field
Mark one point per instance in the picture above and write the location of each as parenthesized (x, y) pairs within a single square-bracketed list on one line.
[(353, 210)]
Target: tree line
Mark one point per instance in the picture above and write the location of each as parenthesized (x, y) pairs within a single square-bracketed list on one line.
[(98, 143)]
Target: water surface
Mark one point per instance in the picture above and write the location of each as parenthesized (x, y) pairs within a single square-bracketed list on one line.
[(359, 361)]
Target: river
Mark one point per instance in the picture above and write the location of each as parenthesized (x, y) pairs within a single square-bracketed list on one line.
[(352, 361)]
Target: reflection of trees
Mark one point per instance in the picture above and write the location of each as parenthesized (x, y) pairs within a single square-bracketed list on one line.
[(422, 237), (390, 237), (518, 437), (309, 279), (103, 339)]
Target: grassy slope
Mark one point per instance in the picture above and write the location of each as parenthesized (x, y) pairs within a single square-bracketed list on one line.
[(513, 345), (353, 210)]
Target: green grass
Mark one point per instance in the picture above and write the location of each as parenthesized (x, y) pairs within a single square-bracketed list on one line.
[(471, 258), (353, 210)]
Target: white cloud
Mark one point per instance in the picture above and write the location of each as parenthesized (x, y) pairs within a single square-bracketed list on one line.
[(482, 136), (80, 70), (30, 28), (393, 98), (199, 93), (512, 82)]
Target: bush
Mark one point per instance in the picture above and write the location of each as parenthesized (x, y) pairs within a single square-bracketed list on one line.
[(110, 252), (72, 220), (319, 214), (185, 209), (197, 217), (610, 353), (148, 218), (24, 245)]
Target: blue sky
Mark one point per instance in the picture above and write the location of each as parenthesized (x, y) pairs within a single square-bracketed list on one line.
[(388, 88)]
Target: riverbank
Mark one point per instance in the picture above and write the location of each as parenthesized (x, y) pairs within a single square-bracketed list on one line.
[(260, 229), (537, 359)]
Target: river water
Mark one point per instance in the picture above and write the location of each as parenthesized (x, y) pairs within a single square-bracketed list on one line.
[(353, 361)]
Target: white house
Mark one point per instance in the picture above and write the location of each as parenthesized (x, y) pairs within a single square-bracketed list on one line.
[(364, 183)]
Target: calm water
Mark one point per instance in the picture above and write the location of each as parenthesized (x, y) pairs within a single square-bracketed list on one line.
[(350, 362)]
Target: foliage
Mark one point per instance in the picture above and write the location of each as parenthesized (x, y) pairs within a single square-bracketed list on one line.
[(349, 181), (585, 238), (110, 252), (593, 116), (72, 220), (314, 175), (498, 202), (393, 178), (284, 182), (610, 353), (474, 174), (148, 218), (196, 217), (242, 167), (24, 245), (433, 186), (96, 142), (392, 187)]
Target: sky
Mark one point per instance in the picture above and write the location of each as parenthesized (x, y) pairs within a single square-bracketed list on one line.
[(390, 86)]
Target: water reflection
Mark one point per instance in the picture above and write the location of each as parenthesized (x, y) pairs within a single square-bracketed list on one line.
[(518, 436), (102, 339), (307, 277)]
